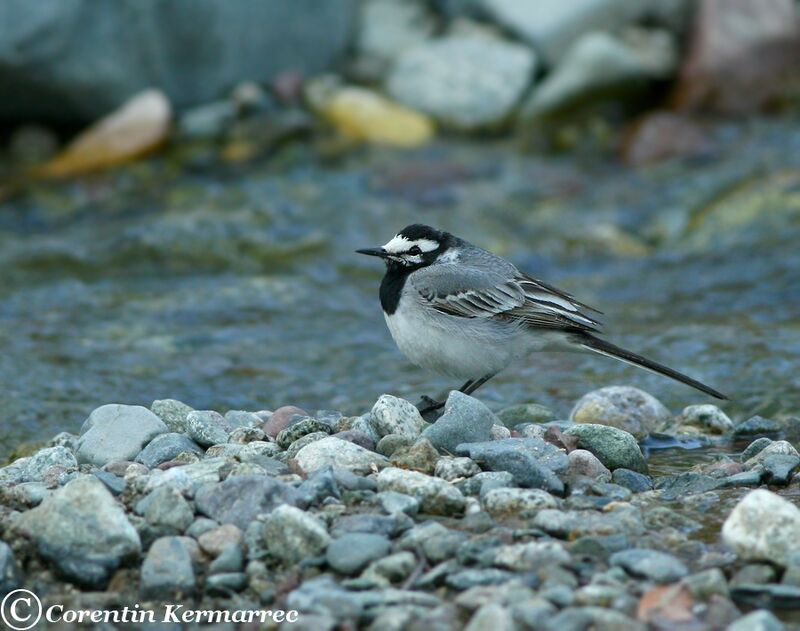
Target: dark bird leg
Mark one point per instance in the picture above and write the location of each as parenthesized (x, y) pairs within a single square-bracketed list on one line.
[(472, 386), (427, 405)]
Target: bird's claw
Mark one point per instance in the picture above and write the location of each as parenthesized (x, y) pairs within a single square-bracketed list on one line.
[(428, 406)]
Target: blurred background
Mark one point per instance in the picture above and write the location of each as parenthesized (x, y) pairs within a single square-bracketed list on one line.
[(183, 183)]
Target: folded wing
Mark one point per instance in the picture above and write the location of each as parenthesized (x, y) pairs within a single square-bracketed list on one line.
[(503, 293)]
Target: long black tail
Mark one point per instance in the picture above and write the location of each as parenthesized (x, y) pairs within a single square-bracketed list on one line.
[(597, 345)]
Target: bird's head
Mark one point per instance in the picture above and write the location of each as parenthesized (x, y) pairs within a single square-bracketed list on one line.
[(413, 247)]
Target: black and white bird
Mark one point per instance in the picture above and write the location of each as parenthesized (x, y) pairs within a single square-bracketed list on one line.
[(459, 310)]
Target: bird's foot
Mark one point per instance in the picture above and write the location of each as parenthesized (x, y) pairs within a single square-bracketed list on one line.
[(429, 407)]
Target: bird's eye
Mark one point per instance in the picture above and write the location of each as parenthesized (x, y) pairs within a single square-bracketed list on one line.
[(415, 250)]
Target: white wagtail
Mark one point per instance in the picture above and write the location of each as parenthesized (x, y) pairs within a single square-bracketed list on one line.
[(457, 309)]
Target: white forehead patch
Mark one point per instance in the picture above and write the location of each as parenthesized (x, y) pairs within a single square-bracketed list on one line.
[(400, 244)]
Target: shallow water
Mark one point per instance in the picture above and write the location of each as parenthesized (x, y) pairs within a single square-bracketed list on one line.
[(235, 288)]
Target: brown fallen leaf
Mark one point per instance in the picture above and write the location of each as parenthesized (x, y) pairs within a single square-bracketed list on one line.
[(666, 603)]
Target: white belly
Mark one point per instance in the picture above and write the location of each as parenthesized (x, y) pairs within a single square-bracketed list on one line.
[(460, 347)]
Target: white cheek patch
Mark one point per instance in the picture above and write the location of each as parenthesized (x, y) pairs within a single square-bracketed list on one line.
[(400, 244)]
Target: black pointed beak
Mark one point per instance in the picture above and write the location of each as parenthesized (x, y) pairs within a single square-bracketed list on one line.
[(380, 252)]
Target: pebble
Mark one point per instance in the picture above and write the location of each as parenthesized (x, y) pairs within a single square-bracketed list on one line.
[(245, 435), (763, 526), (451, 469), (774, 448), (533, 462), (319, 486), (113, 483), (357, 437), (650, 564), (117, 432), (392, 415), (707, 417), (632, 480), (435, 496), (296, 431), (624, 520), (757, 425), (465, 420), (515, 415), (491, 617), (351, 553), (511, 502), (239, 500), (280, 419), (584, 464), (218, 538), (206, 427), (339, 453), (614, 447), (465, 579), (83, 531), (391, 443), (173, 413), (421, 456), (623, 407), (759, 620), (393, 503), (224, 584), (167, 508), (778, 468), (291, 535), (10, 575), (294, 448), (463, 82), (43, 460), (531, 556), (166, 447), (168, 569), (754, 448), (229, 560)]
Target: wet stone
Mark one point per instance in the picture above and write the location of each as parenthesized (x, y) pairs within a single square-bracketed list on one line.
[(532, 462), (516, 415), (754, 448), (614, 447), (632, 480), (778, 468), (688, 483), (757, 426)]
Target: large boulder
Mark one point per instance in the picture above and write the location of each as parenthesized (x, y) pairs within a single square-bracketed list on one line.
[(78, 59)]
